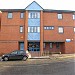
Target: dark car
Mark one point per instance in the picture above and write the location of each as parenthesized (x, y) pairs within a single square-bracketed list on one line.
[(15, 55)]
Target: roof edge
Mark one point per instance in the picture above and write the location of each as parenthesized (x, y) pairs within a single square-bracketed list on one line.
[(44, 10)]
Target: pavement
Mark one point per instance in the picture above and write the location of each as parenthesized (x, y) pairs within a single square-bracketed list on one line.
[(55, 56)]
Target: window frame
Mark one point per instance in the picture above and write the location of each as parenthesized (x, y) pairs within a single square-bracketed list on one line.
[(74, 29), (44, 45), (21, 29), (57, 45), (9, 15), (48, 27), (51, 45), (60, 31), (73, 16), (34, 15), (22, 15), (34, 29), (60, 16)]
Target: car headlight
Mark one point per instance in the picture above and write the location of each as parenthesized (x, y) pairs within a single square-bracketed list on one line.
[(3, 55)]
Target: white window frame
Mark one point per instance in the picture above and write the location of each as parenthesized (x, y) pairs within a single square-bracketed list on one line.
[(38, 29), (21, 29), (60, 16), (21, 15), (28, 29), (10, 15), (74, 29), (49, 27), (31, 29), (34, 15), (73, 16), (60, 29), (35, 29), (45, 28)]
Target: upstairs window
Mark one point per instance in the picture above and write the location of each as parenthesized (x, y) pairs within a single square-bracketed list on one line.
[(49, 27), (60, 30), (73, 16), (74, 29), (10, 15), (21, 15), (59, 16), (21, 29), (34, 29), (34, 15)]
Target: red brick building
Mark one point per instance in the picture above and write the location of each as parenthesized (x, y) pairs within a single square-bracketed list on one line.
[(37, 30)]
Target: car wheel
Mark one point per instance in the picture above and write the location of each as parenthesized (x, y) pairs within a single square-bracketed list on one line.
[(25, 58), (6, 58)]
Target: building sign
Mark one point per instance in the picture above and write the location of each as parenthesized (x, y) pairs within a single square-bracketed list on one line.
[(68, 40)]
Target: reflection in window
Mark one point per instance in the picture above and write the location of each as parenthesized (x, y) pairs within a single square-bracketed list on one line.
[(22, 15), (9, 15), (34, 29), (59, 16), (60, 30), (34, 14), (21, 29)]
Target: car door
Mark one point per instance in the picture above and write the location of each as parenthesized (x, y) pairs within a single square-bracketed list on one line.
[(20, 54), (13, 55)]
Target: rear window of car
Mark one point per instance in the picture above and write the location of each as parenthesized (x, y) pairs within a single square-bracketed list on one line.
[(21, 52)]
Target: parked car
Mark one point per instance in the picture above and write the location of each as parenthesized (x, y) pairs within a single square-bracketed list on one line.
[(15, 55)]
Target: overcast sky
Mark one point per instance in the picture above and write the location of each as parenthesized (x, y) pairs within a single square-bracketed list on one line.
[(46, 4)]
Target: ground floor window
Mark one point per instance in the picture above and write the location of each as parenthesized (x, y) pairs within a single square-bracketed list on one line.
[(21, 45), (51, 45), (33, 46), (57, 45), (44, 45)]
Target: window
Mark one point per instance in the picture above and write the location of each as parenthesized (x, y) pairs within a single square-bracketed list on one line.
[(60, 30), (73, 16), (49, 27), (51, 45), (38, 29), (21, 15), (57, 45), (21, 45), (21, 29), (15, 52), (74, 29), (34, 15), (28, 29), (34, 29), (9, 15), (59, 16), (44, 45)]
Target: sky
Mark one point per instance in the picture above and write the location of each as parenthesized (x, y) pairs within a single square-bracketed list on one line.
[(45, 4)]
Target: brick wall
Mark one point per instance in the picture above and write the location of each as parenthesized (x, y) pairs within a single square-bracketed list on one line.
[(0, 20), (10, 34), (50, 19)]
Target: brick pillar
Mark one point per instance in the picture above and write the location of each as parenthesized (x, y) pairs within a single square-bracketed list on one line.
[(41, 32), (25, 29)]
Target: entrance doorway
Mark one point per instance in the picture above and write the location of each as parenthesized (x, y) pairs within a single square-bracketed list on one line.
[(33, 46)]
